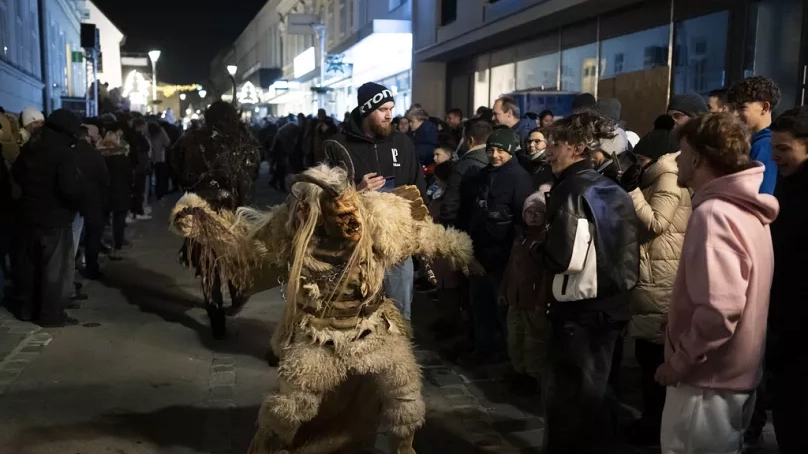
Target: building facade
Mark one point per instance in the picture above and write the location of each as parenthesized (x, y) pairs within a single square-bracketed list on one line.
[(111, 41), (20, 56), (466, 54), (63, 71), (366, 41)]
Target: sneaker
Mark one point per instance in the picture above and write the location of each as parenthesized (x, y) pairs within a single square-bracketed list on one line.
[(143, 217), (130, 219), (115, 255), (147, 209)]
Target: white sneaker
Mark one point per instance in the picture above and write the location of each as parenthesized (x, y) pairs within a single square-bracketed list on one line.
[(130, 219), (147, 209), (143, 217)]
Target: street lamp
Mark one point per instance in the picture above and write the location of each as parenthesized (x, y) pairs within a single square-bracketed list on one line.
[(232, 70), (203, 94), (154, 56), (182, 96)]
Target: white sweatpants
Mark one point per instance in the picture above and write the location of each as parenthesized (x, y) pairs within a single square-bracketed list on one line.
[(705, 421)]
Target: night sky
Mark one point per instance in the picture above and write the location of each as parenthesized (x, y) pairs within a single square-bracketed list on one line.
[(188, 32)]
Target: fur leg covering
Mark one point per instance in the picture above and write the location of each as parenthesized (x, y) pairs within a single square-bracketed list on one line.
[(305, 373), (388, 357)]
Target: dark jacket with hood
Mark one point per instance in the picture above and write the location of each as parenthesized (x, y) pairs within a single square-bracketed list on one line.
[(592, 246), (47, 173), (391, 156), (464, 170), (425, 139), (497, 196)]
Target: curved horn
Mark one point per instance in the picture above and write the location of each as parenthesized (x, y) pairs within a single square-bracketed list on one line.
[(303, 178), (340, 157)]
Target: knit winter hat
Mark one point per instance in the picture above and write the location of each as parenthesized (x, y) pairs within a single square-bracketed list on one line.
[(660, 141), (535, 200), (690, 104), (610, 108), (30, 115), (584, 101), (505, 139), (371, 96)]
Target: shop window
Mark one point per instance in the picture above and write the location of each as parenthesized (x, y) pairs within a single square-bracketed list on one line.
[(448, 11), (343, 17), (700, 53), (634, 52), (481, 88), (538, 73), (773, 48), (503, 81), (579, 69)]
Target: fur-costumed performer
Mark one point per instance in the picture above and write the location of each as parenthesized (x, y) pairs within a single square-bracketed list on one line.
[(346, 361)]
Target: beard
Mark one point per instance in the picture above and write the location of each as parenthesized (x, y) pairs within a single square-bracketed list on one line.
[(381, 128)]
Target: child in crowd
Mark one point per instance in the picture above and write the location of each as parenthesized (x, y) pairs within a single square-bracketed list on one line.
[(525, 292)]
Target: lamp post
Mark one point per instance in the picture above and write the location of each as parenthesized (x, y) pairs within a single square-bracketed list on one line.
[(232, 70), (182, 96), (154, 56)]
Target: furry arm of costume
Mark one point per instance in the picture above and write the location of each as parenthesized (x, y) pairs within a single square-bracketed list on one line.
[(253, 265), (401, 227)]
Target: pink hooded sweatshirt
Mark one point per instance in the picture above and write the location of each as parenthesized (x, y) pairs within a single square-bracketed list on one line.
[(720, 303)]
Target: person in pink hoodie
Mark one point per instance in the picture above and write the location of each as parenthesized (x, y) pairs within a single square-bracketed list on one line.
[(717, 318)]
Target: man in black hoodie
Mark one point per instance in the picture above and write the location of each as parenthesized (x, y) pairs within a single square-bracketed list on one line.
[(382, 159), (51, 194)]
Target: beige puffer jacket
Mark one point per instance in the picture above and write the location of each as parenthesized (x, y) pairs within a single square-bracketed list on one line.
[(663, 209)]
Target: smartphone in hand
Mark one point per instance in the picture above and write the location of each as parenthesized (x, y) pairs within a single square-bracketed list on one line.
[(389, 184)]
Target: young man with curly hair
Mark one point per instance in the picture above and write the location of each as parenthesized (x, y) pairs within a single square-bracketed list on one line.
[(753, 100), (717, 316), (592, 255)]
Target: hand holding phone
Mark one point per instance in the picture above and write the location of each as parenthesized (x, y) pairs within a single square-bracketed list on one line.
[(389, 184)]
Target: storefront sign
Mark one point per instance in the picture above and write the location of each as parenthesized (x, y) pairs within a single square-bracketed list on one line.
[(305, 63)]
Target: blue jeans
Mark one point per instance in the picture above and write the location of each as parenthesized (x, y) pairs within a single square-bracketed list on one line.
[(78, 225), (398, 282)]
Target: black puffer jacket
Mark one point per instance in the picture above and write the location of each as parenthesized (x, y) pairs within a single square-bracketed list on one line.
[(391, 156), (47, 173), (497, 196), (592, 244), (464, 170)]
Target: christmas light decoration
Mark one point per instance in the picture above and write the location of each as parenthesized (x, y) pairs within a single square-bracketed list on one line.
[(248, 94)]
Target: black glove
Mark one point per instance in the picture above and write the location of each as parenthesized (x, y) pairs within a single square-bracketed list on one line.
[(630, 180)]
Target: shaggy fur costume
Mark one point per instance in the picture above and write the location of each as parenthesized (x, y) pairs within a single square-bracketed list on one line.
[(346, 361)]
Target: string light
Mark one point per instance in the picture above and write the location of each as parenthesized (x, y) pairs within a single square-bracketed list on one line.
[(169, 90)]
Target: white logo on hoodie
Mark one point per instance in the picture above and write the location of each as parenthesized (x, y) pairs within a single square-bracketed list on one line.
[(394, 152)]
